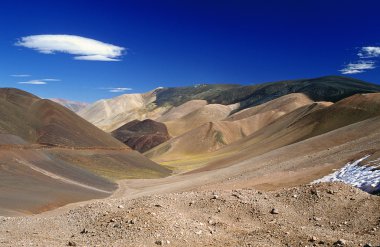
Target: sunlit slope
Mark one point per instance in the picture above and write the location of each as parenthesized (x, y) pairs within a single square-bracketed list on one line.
[(216, 134), (299, 125)]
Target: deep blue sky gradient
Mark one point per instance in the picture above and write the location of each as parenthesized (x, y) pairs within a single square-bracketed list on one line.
[(177, 43)]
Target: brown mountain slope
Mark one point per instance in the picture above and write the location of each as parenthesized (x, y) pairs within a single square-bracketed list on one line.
[(42, 121), (207, 113), (44, 145), (214, 135), (142, 135), (182, 110), (281, 105), (298, 126)]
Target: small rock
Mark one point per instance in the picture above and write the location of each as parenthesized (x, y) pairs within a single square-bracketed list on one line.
[(84, 231), (191, 203), (158, 242), (331, 192), (71, 243), (313, 239), (295, 196), (367, 245), (317, 218), (120, 206), (215, 197), (313, 191), (274, 211), (340, 242)]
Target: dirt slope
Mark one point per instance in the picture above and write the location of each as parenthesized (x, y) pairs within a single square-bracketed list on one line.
[(182, 110), (298, 125), (50, 156), (214, 135), (207, 113)]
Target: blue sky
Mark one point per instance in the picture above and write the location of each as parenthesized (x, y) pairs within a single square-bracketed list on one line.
[(177, 43)]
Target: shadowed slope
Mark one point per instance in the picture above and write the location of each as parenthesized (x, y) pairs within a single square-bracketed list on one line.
[(328, 88), (142, 135)]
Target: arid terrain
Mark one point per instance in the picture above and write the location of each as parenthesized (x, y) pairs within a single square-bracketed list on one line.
[(216, 165)]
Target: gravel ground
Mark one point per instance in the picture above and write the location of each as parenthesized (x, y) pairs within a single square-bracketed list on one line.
[(330, 214)]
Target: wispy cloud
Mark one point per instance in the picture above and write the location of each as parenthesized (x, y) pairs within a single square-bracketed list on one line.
[(118, 89), (39, 81), (82, 48), (20, 75), (50, 79), (367, 57), (358, 67), (33, 82), (369, 52)]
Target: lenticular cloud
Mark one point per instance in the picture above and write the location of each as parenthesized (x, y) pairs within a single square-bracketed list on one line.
[(83, 48)]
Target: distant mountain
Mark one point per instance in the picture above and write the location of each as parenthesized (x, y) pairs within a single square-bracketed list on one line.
[(142, 135), (112, 113), (75, 106), (328, 88)]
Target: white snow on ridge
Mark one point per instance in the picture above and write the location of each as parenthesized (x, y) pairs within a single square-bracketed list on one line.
[(366, 178)]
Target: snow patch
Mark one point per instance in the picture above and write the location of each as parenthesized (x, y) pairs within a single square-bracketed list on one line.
[(366, 178)]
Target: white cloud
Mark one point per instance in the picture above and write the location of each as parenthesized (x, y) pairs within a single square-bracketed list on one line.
[(359, 67), (50, 79), (118, 89), (82, 48), (39, 81), (33, 82), (20, 75), (369, 52)]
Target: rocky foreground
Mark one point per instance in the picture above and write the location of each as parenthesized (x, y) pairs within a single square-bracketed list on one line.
[(318, 215)]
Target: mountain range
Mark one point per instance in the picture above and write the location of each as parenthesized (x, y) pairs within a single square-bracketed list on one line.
[(176, 141)]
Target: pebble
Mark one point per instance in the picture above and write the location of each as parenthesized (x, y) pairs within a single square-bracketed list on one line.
[(120, 206), (71, 243), (158, 242), (274, 211), (340, 242), (317, 218)]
